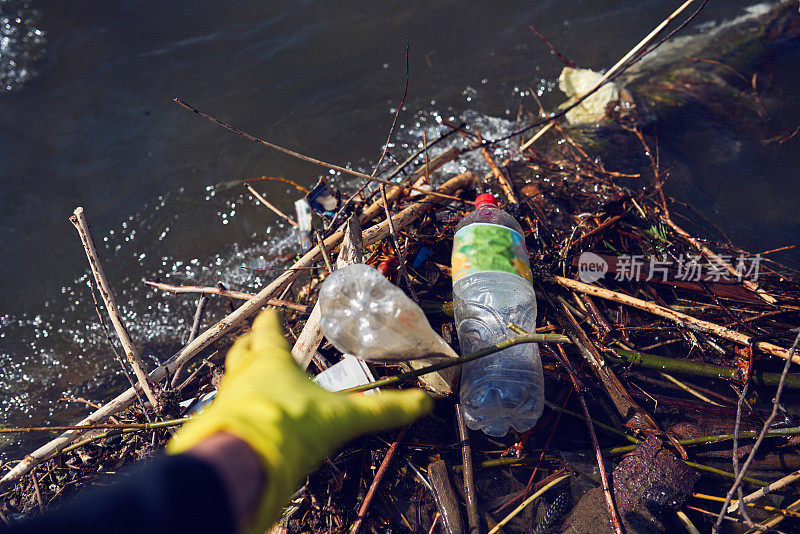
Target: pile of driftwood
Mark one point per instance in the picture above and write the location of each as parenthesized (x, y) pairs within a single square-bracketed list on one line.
[(669, 398)]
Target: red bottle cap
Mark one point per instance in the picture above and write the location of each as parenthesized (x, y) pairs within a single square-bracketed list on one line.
[(484, 199)]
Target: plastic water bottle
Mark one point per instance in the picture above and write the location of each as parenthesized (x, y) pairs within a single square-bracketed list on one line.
[(491, 288)]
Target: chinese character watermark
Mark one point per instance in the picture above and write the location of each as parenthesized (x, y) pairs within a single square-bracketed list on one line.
[(684, 268)]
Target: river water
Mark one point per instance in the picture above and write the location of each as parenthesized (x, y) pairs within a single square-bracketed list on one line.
[(87, 119)]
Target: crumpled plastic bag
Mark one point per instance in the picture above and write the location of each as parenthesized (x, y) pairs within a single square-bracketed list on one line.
[(577, 82), (365, 315)]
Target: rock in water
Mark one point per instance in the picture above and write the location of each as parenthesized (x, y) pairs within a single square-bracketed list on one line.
[(650, 481)]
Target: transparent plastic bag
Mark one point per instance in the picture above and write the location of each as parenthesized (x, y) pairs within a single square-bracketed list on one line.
[(365, 315)]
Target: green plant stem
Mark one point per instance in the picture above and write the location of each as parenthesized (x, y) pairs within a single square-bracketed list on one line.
[(527, 338), (661, 363), (599, 425), (527, 461), (726, 474), (706, 440)]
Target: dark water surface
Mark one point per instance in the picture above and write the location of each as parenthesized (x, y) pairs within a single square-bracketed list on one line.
[(88, 119)]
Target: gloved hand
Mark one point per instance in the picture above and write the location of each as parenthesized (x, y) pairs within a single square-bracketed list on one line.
[(290, 422)]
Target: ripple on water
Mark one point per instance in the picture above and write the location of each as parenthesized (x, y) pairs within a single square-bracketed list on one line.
[(22, 43)]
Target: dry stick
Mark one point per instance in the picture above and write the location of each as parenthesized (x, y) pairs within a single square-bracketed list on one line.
[(770, 523), (326, 256), (315, 161), (270, 206), (277, 179), (113, 432), (389, 135), (749, 505), (198, 319), (704, 440), (689, 389), (778, 484), (396, 115), (230, 293), (123, 400), (396, 245), (38, 491), (700, 440), (508, 189), (79, 221), (625, 405), (600, 464), (678, 317), (136, 426), (537, 135), (469, 478), (775, 403), (735, 448), (417, 179), (311, 336), (116, 354), (566, 61), (362, 511), (445, 157), (400, 259)]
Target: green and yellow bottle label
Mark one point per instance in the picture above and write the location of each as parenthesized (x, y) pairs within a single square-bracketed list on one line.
[(489, 247)]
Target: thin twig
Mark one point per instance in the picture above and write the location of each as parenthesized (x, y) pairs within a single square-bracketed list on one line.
[(315, 161), (137, 426), (403, 272), (396, 115), (439, 160), (775, 404), (198, 320), (469, 478), (778, 484), (384, 467), (735, 449), (37, 491), (230, 293), (116, 353), (504, 182), (270, 206), (612, 511), (393, 233), (559, 55), (326, 256), (750, 505)]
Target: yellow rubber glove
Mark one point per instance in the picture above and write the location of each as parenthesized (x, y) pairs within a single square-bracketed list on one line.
[(290, 422)]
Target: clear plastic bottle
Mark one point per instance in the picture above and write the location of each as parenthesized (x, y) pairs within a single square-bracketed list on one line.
[(491, 288)]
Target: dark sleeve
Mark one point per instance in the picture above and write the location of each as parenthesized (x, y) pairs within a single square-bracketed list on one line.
[(171, 494)]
